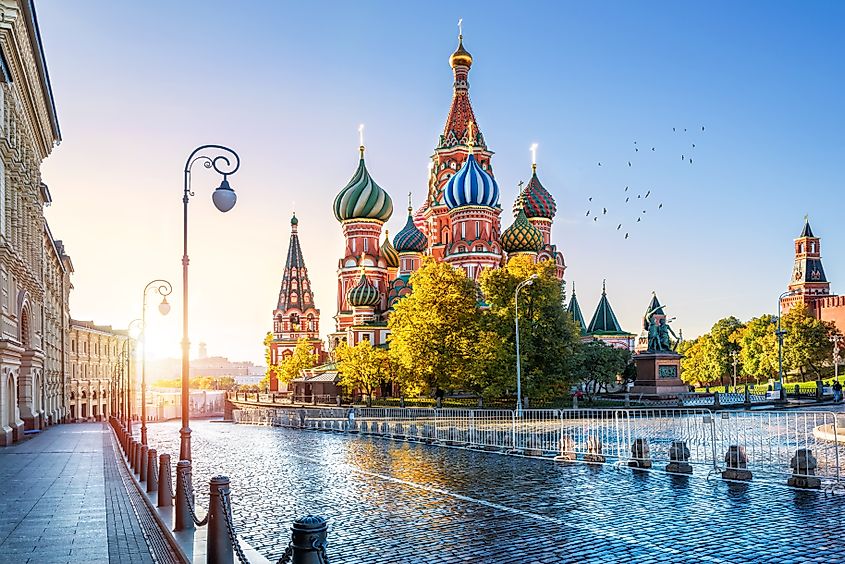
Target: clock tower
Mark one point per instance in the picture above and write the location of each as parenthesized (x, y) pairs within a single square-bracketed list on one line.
[(808, 281)]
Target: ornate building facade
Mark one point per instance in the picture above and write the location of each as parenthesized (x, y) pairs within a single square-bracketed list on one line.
[(34, 269), (95, 366), (808, 283), (295, 317), (459, 222)]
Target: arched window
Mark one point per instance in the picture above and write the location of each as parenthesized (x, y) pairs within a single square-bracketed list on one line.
[(294, 322), (311, 324), (84, 395)]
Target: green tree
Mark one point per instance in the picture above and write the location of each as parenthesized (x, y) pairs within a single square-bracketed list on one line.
[(549, 338), (707, 359), (758, 348), (436, 333), (598, 364), (806, 345), (363, 367), (303, 357), (273, 370)]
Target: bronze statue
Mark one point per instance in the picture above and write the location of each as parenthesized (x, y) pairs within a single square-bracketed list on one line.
[(658, 333)]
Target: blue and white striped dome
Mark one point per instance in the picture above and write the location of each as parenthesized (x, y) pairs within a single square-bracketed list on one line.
[(471, 186)]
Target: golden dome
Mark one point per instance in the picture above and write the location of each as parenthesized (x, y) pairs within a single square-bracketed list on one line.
[(461, 56)]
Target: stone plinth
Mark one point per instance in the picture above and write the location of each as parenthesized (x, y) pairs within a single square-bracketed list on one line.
[(658, 375)]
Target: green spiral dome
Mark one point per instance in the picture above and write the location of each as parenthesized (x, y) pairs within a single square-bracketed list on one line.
[(363, 294), (362, 198), (521, 236)]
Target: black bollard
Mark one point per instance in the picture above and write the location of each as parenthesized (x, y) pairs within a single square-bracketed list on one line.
[(165, 495), (142, 473), (308, 541), (218, 545), (152, 471), (183, 496)]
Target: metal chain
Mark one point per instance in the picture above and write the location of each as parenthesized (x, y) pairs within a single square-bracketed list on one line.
[(198, 522), (230, 526), (287, 556)]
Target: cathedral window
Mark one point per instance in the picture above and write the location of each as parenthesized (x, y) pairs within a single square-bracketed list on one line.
[(294, 321), (479, 249), (366, 245), (477, 229), (463, 230)]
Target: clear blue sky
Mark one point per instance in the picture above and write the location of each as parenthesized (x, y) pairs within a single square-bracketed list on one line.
[(139, 85)]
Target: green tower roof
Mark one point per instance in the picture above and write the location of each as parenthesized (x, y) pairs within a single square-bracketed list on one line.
[(604, 320), (575, 311)]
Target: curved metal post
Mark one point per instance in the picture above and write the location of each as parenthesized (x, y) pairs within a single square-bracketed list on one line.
[(215, 162)]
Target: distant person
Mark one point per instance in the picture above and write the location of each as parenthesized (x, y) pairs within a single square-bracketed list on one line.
[(837, 392)]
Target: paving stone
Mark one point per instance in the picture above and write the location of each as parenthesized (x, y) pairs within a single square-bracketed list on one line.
[(404, 503)]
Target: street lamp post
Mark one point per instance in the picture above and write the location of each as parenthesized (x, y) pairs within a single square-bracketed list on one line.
[(780, 333), (224, 199), (127, 352), (836, 339), (734, 355), (163, 288), (527, 282)]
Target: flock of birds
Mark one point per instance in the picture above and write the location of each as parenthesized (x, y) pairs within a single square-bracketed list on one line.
[(628, 207)]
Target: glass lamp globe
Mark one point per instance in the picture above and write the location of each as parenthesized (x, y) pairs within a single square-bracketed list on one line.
[(164, 306), (224, 197)]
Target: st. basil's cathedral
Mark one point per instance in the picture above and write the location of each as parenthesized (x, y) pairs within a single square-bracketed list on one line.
[(459, 223)]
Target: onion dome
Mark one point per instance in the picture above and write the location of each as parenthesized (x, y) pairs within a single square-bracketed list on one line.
[(293, 220), (363, 294), (410, 239), (521, 236), (471, 186), (362, 198), (535, 200), (388, 253), (461, 56)]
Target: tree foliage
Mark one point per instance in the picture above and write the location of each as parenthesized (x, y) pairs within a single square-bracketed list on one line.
[(436, 333), (363, 366), (549, 337), (598, 364), (303, 357), (806, 345)]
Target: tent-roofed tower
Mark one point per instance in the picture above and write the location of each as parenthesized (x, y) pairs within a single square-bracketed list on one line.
[(605, 327), (295, 316), (574, 309)]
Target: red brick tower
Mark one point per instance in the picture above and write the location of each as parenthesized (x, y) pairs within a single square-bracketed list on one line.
[(295, 316), (808, 280)]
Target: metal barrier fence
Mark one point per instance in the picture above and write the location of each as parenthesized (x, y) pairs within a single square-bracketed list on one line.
[(766, 444)]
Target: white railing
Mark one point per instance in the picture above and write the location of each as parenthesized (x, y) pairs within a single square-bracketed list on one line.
[(769, 440)]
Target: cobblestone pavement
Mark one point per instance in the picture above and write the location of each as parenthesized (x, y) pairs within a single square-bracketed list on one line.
[(62, 500), (411, 503)]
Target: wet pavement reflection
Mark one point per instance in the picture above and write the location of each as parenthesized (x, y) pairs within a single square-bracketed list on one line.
[(398, 502)]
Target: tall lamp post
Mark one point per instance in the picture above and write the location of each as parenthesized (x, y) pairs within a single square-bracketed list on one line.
[(127, 353), (527, 282), (780, 333), (224, 199), (162, 288), (734, 361), (836, 339)]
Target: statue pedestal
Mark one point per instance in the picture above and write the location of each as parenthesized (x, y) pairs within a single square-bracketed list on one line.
[(658, 375)]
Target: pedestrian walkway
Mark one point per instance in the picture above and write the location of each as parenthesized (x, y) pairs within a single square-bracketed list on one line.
[(65, 497)]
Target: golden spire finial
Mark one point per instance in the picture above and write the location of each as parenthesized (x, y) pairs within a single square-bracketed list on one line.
[(460, 28), (534, 157), (470, 137), (410, 208), (361, 139)]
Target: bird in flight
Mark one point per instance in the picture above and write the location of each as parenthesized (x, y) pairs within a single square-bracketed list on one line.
[(629, 163), (660, 206), (643, 211), (618, 227), (626, 235), (702, 128), (595, 218), (652, 148), (690, 161), (604, 211), (590, 199), (647, 193), (599, 164), (626, 188), (588, 213), (626, 199), (638, 219)]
